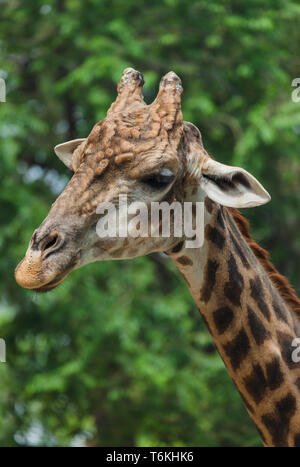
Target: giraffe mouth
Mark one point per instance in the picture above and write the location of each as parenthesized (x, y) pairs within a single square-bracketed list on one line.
[(59, 278), (54, 283), (28, 275)]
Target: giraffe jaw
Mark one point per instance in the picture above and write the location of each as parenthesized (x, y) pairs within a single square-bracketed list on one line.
[(52, 284)]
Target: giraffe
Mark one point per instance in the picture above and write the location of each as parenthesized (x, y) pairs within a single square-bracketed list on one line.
[(149, 153)]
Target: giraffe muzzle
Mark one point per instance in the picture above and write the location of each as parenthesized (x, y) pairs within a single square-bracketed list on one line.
[(48, 261)]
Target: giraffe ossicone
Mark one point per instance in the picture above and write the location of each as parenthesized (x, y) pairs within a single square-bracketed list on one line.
[(149, 154)]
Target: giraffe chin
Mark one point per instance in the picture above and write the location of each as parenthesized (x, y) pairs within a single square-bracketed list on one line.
[(52, 284)]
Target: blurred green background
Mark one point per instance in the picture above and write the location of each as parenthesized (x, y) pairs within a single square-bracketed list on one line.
[(118, 354)]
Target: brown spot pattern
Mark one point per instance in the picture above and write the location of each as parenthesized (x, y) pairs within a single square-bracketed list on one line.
[(215, 236), (210, 280), (237, 349), (185, 261), (233, 288)]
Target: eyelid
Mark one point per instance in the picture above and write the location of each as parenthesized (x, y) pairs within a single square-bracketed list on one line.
[(162, 173), (159, 180), (166, 172)]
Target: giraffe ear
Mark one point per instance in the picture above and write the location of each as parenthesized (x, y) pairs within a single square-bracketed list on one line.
[(231, 186), (65, 151)]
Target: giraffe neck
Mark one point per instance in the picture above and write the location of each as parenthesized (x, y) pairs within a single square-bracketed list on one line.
[(251, 325)]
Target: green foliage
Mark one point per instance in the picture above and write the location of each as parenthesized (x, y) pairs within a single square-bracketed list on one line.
[(118, 354)]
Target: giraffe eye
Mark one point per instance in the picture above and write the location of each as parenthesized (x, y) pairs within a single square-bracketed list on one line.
[(159, 180)]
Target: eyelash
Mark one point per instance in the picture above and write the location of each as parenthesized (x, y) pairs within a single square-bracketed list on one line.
[(158, 180)]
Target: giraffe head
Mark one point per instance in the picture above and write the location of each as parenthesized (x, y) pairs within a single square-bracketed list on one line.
[(146, 152)]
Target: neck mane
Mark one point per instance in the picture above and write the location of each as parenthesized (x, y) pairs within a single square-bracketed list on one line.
[(253, 314), (280, 282)]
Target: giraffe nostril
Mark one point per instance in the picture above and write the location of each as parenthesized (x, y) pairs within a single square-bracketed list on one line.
[(50, 243)]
